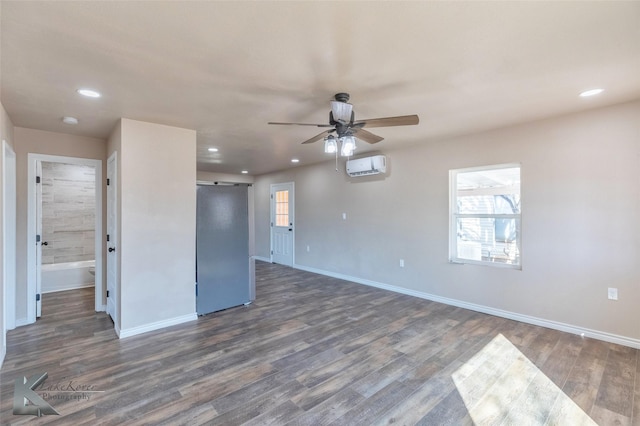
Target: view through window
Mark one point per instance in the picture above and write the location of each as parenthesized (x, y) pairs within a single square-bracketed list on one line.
[(485, 215)]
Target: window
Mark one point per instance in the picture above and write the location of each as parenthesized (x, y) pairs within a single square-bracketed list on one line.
[(485, 215), (282, 208)]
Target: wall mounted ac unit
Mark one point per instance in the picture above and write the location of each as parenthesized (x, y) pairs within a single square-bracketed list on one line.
[(367, 166)]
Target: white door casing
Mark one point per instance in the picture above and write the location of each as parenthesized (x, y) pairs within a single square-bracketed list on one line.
[(282, 223), (112, 254), (39, 238), (9, 240)]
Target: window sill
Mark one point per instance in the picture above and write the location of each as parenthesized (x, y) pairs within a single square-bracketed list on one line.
[(499, 265)]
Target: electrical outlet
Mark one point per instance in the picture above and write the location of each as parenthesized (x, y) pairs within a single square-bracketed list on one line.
[(402, 263), (613, 293), (308, 249), (344, 216)]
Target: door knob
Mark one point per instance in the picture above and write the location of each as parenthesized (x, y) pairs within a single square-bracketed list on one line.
[(45, 243), (111, 249)]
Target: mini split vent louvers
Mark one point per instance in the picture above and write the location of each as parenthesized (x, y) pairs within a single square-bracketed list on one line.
[(367, 166)]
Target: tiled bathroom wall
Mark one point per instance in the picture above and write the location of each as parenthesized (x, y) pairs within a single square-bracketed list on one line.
[(68, 212)]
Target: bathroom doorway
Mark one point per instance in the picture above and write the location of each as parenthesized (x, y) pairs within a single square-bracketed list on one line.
[(65, 225)]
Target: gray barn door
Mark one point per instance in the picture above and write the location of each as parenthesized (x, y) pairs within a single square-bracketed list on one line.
[(222, 248)]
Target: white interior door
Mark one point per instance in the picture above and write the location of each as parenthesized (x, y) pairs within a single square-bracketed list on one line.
[(112, 254), (282, 223), (39, 238)]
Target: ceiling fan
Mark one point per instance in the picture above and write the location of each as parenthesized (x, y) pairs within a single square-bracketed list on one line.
[(342, 121)]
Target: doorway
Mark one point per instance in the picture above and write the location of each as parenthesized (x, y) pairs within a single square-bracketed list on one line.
[(34, 223), (282, 223)]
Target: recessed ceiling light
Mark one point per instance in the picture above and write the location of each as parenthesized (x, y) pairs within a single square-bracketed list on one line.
[(89, 93), (295, 160), (244, 172), (591, 92), (213, 149), (69, 120)]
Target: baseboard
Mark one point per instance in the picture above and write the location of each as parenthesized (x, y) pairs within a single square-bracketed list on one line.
[(263, 259), (75, 287), (555, 325), (128, 332)]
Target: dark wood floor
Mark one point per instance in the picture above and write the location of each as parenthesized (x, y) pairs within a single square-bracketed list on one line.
[(314, 350)]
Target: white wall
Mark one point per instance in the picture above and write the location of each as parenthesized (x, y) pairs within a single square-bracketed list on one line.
[(580, 204), (157, 213)]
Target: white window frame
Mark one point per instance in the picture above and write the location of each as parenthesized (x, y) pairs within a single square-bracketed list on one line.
[(454, 216)]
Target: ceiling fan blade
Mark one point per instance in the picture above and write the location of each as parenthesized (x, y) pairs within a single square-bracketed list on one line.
[(402, 120), (366, 136), (301, 124), (318, 137)]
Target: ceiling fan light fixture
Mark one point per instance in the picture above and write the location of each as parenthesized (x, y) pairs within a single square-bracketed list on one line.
[(330, 145), (341, 111), (348, 146), (343, 125)]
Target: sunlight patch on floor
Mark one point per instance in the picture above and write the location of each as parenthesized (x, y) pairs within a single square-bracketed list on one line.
[(499, 385)]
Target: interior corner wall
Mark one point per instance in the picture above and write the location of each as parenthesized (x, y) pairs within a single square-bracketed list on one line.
[(580, 233), (157, 192), (49, 143)]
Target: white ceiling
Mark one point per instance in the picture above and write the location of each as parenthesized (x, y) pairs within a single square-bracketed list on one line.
[(227, 68)]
